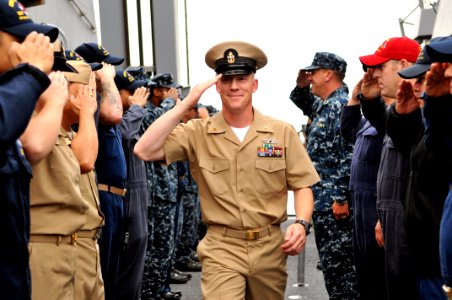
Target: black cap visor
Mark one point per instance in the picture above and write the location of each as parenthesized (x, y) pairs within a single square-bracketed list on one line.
[(113, 60), (24, 29)]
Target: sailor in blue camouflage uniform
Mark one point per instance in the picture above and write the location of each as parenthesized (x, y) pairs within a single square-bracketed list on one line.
[(188, 195), (321, 93), (162, 199)]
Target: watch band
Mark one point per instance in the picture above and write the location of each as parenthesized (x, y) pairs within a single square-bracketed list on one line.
[(307, 226)]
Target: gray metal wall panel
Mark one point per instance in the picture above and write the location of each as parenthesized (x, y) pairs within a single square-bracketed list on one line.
[(113, 28), (165, 33), (63, 14)]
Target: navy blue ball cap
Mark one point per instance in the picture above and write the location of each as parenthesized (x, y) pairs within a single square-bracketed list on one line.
[(441, 51), (327, 60), (94, 52), (72, 55), (165, 80), (125, 81), (15, 20), (422, 64), (235, 57)]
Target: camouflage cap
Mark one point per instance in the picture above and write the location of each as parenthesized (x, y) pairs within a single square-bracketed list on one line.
[(327, 60)]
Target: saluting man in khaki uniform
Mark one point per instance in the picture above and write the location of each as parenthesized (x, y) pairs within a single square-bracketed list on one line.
[(244, 164), (58, 207), (89, 283)]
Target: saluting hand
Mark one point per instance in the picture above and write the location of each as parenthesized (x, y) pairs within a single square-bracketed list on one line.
[(85, 100), (199, 89), (302, 79), (369, 86), (436, 84), (36, 50), (171, 93), (139, 97), (406, 101), (56, 92), (107, 72)]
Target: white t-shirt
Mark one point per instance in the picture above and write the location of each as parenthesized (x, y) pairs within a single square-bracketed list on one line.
[(240, 132)]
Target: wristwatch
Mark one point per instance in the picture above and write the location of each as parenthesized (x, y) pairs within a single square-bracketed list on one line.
[(307, 226)]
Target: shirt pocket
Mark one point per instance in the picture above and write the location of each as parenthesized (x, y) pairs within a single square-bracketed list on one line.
[(216, 174), (270, 175)]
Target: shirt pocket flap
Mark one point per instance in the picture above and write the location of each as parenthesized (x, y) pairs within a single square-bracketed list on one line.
[(270, 165), (214, 165)]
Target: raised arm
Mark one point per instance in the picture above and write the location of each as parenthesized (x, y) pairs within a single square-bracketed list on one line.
[(42, 131), (150, 145), (110, 103), (85, 144)]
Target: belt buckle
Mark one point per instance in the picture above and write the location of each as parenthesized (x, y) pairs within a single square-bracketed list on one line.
[(74, 238), (124, 192), (252, 234)]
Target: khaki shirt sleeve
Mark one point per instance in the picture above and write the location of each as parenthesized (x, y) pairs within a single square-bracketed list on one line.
[(177, 144), (300, 169)]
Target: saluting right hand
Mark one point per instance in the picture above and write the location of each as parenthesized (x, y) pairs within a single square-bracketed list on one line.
[(139, 97), (199, 89), (36, 50), (369, 86), (302, 79), (436, 84), (57, 92), (85, 100), (406, 101)]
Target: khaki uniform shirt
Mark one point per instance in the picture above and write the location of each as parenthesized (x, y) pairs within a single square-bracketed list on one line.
[(238, 188), (56, 203), (88, 187)]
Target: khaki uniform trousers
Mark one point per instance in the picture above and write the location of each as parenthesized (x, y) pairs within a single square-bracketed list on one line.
[(88, 278), (52, 268), (235, 268)]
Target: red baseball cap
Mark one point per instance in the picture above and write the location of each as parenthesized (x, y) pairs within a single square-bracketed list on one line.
[(396, 48)]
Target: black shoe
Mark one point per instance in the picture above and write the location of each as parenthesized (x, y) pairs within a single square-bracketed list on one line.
[(181, 273), (319, 266), (170, 295), (194, 256), (191, 266), (178, 278)]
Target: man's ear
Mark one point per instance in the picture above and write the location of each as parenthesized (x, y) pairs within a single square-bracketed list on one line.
[(404, 63), (255, 85)]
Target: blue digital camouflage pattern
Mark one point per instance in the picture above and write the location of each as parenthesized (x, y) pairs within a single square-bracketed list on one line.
[(188, 193), (162, 179), (334, 245), (329, 152), (331, 156), (160, 249), (162, 198), (327, 60)]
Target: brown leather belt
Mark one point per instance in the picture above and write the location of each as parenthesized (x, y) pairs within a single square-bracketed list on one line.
[(244, 234), (53, 238), (91, 234), (111, 189)]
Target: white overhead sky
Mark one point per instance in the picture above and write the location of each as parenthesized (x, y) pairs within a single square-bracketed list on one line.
[(290, 32)]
